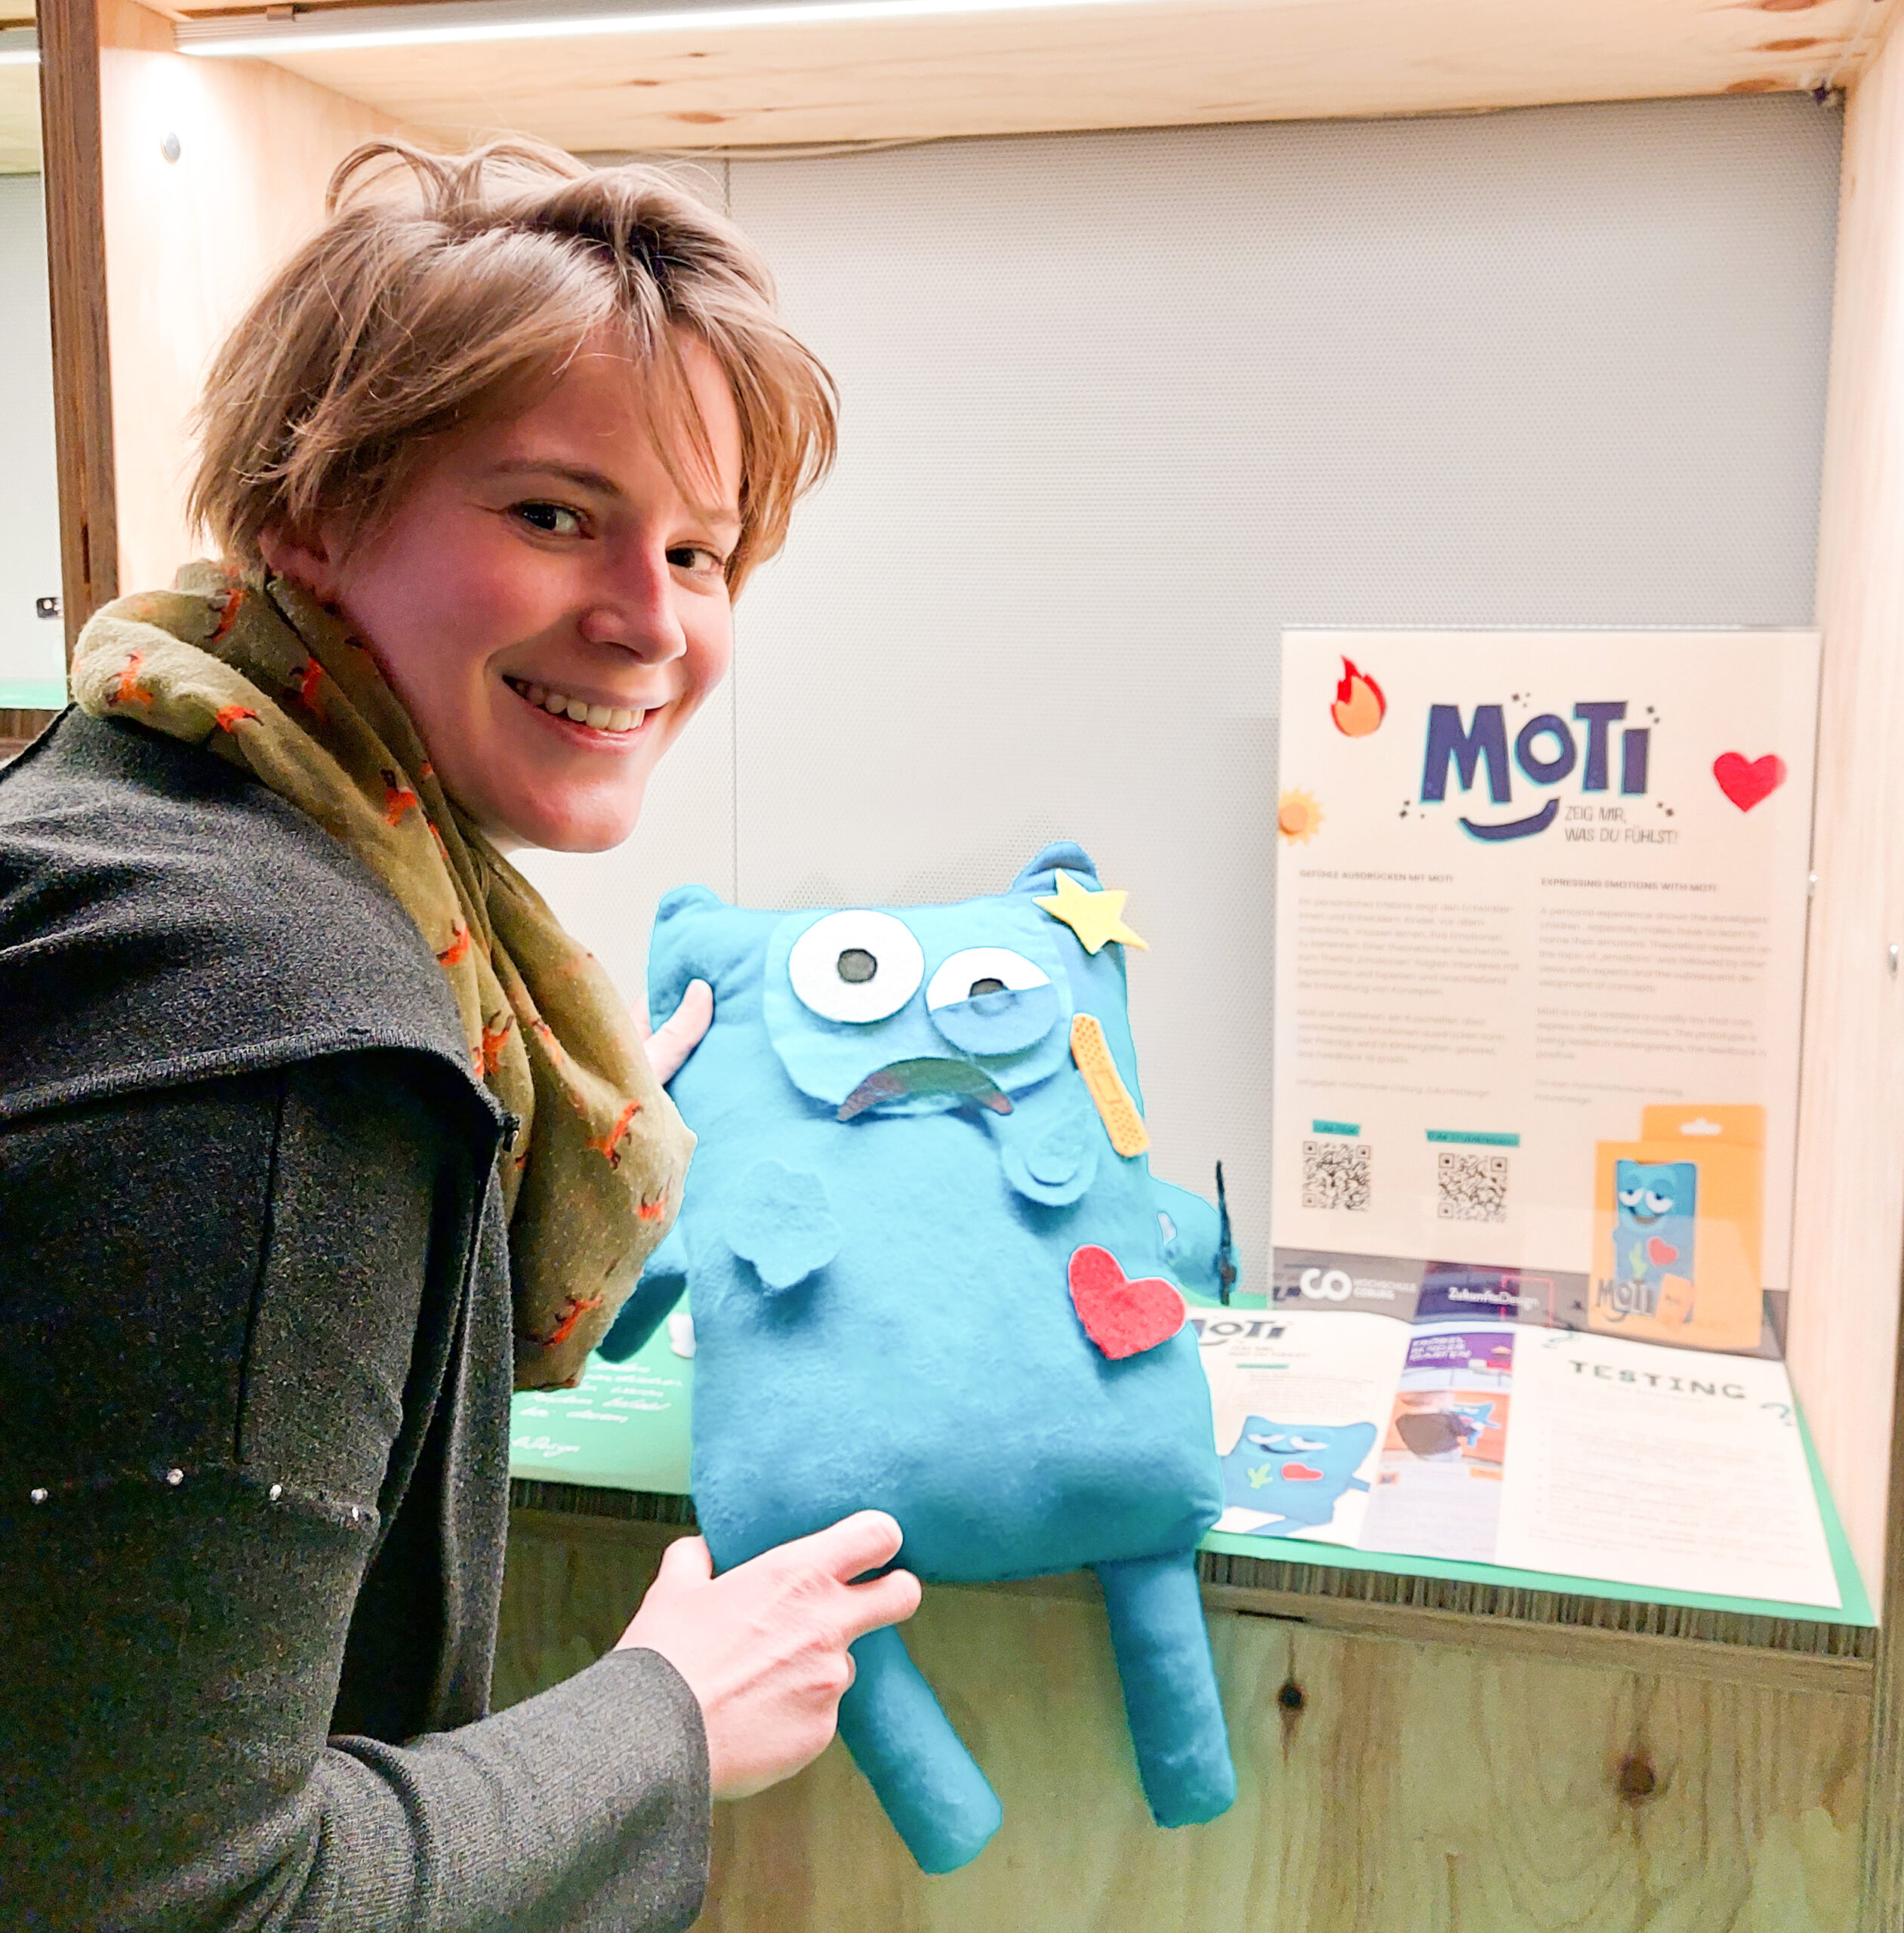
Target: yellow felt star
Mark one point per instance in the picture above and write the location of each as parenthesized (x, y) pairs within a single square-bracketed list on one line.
[(1094, 917)]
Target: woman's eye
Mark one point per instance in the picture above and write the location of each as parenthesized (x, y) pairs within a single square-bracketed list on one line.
[(552, 519), (697, 558)]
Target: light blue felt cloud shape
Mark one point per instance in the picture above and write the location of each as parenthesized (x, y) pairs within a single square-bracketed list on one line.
[(1019, 1035), (780, 1219)]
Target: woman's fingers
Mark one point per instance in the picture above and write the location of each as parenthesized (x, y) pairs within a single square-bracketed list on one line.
[(763, 1647), (889, 1600), (850, 1548), (670, 1043), (688, 1561)]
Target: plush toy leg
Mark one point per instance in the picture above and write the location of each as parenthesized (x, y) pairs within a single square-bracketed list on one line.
[(1170, 1697), (936, 1798)]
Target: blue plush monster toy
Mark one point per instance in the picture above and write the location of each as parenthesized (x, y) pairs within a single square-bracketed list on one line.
[(930, 1273), (1296, 1474)]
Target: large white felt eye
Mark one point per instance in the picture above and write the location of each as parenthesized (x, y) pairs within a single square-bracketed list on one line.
[(856, 967), (980, 970)]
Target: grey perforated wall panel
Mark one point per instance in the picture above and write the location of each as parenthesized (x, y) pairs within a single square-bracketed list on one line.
[(1120, 407)]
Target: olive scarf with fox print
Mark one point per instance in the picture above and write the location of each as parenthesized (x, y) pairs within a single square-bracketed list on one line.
[(257, 672)]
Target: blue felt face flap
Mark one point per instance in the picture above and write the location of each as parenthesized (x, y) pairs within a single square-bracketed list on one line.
[(778, 1218)]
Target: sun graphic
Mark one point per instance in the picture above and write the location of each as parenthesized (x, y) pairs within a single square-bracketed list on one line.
[(1298, 817)]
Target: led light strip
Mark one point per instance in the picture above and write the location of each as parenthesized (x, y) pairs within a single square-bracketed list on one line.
[(20, 46), (260, 36)]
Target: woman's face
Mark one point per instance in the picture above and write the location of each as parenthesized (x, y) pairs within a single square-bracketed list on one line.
[(544, 567)]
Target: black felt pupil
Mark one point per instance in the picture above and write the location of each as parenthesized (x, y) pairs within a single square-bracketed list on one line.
[(987, 986), (856, 966)]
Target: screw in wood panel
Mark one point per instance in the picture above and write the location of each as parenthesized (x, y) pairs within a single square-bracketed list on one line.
[(170, 146)]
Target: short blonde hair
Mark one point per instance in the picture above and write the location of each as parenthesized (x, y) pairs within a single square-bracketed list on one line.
[(443, 290)]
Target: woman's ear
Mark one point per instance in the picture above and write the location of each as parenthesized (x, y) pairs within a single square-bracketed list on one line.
[(308, 557)]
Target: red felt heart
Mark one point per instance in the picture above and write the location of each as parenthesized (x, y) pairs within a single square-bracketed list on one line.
[(1660, 1252), (1744, 781), (1301, 1473), (1123, 1318)]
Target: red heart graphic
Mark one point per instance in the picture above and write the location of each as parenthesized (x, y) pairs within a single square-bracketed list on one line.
[(1123, 1318), (1301, 1473), (1744, 781), (1660, 1252)]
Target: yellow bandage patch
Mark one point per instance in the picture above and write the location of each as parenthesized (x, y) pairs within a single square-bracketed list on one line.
[(1092, 1052)]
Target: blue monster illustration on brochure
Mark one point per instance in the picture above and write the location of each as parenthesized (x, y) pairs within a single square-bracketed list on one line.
[(1290, 1479)]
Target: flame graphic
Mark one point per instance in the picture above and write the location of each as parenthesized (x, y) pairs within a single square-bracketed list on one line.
[(1359, 707)]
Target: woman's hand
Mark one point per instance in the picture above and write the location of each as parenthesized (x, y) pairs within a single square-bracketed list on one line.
[(763, 1646), (669, 1044)]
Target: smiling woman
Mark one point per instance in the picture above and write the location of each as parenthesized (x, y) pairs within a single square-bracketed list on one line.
[(316, 1129), (549, 597)]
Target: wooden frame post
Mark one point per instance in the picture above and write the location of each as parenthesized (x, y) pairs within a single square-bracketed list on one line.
[(74, 174)]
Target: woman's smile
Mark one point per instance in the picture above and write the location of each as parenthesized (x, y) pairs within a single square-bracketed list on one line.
[(609, 724)]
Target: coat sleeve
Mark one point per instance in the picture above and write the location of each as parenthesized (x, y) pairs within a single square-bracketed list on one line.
[(216, 1339)]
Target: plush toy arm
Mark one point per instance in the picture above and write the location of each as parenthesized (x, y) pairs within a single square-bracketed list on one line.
[(660, 1288), (1192, 1239)]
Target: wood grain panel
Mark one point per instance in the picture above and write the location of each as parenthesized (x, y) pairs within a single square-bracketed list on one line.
[(1848, 1340), (75, 250), (1388, 1786), (191, 241), (1848, 1227), (1166, 62)]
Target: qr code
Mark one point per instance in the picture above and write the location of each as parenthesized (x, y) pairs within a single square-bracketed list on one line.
[(1472, 1187), (1336, 1174)]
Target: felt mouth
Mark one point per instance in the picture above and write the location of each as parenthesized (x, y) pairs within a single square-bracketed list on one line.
[(915, 1079)]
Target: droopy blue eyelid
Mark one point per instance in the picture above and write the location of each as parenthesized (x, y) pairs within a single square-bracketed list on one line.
[(957, 978)]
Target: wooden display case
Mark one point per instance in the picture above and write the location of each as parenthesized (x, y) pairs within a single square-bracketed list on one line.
[(1414, 1755)]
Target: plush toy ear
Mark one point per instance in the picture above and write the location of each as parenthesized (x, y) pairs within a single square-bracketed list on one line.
[(686, 899), (1041, 875), (680, 948), (779, 1219)]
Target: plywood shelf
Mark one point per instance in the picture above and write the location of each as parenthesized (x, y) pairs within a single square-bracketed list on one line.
[(1796, 1655), (1123, 64)]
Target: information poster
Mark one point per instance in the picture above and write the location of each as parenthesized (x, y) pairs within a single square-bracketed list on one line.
[(1541, 916)]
